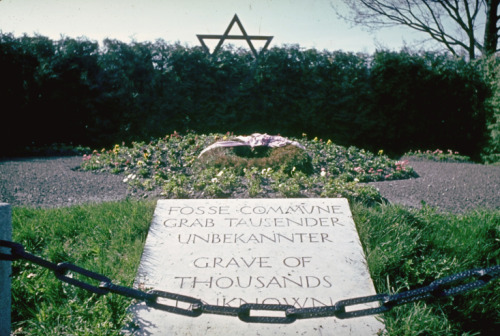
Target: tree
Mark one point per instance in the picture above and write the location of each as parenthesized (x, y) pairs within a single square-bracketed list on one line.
[(491, 32), (454, 23)]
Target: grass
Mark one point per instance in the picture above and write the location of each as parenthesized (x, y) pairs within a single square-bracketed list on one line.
[(107, 238), (405, 248)]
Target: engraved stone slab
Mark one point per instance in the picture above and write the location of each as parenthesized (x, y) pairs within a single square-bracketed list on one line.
[(301, 252)]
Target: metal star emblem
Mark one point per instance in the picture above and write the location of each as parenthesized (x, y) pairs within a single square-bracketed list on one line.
[(226, 36)]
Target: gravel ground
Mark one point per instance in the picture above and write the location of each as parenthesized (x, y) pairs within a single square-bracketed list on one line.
[(53, 182), (56, 181), (454, 187)]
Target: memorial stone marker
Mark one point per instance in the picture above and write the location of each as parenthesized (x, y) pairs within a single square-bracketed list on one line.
[(300, 252)]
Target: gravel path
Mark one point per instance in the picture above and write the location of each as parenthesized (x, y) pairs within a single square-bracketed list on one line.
[(455, 187), (52, 182)]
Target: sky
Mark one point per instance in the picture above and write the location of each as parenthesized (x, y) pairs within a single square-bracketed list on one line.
[(309, 23)]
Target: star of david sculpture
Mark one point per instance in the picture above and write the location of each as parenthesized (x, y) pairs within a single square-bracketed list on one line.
[(226, 36)]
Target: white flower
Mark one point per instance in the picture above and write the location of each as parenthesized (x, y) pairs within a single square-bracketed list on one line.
[(220, 173), (129, 177), (323, 173), (214, 180)]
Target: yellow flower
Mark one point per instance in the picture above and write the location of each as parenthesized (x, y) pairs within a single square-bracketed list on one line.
[(329, 142), (380, 152)]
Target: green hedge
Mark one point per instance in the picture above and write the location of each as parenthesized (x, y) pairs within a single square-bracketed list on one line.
[(80, 92), (491, 70)]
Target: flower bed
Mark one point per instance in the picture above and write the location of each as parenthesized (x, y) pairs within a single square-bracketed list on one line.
[(323, 169)]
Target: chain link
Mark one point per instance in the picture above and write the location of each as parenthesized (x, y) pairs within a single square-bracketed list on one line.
[(451, 285)]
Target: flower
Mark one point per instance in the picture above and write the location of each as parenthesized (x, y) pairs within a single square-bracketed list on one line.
[(214, 180), (380, 152), (220, 173), (359, 170), (129, 177)]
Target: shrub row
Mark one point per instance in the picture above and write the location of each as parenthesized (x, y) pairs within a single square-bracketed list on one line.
[(76, 91)]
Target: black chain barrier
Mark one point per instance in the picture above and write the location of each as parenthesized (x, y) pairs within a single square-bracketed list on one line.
[(443, 287)]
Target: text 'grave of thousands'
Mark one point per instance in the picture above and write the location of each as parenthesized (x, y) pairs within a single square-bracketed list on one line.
[(299, 252)]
